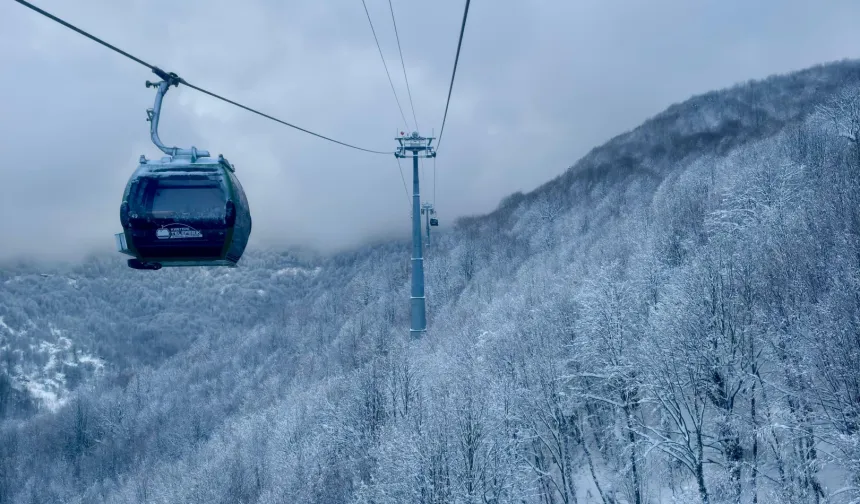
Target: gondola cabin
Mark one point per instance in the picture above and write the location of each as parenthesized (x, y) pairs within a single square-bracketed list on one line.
[(184, 211)]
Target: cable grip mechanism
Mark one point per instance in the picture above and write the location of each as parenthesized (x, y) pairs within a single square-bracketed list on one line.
[(153, 114)]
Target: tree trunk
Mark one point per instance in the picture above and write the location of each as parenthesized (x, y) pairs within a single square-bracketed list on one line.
[(700, 470), (631, 437), (754, 474)]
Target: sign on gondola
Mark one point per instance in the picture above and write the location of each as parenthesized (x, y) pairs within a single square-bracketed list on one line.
[(177, 232)]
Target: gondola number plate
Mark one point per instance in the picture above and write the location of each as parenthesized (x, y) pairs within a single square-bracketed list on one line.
[(177, 232)]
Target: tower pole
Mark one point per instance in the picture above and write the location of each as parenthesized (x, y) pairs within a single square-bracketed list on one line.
[(419, 317), (417, 146)]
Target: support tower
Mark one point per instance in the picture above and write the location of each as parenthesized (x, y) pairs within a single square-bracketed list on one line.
[(416, 146)]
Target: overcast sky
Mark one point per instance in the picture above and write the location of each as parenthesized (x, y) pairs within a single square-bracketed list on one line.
[(539, 84)]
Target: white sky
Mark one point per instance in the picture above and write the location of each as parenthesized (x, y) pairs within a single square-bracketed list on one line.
[(538, 85)]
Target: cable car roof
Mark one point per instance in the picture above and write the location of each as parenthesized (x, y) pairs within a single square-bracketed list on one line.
[(184, 163)]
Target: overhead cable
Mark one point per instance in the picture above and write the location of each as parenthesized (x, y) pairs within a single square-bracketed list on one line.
[(403, 64), (176, 79), (451, 86), (385, 65)]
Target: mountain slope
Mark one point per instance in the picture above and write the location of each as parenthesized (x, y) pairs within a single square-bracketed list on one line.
[(674, 319), (60, 326)]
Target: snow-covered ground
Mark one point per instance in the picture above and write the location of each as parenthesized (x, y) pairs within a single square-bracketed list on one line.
[(47, 383)]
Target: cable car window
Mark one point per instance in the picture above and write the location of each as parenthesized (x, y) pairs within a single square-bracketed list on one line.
[(137, 194), (189, 200)]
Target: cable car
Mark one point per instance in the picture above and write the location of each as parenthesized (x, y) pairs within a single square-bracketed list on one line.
[(186, 209), (434, 221)]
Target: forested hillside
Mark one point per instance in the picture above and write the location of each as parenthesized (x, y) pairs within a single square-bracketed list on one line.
[(675, 319)]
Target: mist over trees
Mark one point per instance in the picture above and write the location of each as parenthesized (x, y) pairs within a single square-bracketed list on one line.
[(676, 319)]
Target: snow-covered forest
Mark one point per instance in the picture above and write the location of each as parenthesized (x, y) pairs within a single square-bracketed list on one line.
[(675, 319)]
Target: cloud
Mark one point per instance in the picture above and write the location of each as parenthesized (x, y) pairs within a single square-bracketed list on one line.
[(539, 84)]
